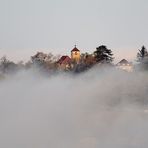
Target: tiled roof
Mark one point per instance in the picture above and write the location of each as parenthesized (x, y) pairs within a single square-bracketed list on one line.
[(75, 49), (64, 60), (123, 61)]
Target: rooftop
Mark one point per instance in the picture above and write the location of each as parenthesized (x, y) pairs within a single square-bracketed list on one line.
[(64, 59), (75, 49)]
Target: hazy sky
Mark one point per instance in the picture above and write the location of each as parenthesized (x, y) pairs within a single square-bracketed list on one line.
[(27, 26)]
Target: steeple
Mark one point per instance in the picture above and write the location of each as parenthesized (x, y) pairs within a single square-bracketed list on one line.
[(75, 54), (75, 49)]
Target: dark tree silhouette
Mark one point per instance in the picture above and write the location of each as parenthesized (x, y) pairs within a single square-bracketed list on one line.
[(142, 57), (142, 53), (103, 54)]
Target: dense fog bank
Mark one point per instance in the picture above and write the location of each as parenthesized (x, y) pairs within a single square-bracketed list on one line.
[(98, 108)]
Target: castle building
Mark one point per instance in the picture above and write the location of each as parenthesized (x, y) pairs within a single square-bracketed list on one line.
[(64, 63), (75, 55)]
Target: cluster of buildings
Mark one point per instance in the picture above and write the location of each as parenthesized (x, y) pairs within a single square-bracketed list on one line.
[(66, 62)]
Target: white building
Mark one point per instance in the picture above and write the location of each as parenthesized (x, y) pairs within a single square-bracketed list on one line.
[(125, 65)]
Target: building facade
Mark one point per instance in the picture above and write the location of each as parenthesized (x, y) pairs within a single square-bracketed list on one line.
[(125, 65)]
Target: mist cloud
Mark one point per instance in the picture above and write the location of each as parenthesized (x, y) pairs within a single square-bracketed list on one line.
[(99, 108)]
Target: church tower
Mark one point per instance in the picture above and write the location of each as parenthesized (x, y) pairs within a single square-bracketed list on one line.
[(75, 55)]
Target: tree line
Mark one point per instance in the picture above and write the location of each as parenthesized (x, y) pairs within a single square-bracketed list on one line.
[(48, 62)]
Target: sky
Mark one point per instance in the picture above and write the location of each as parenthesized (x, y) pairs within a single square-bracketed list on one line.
[(28, 26)]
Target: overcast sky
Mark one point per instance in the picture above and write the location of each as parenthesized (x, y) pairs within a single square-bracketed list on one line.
[(27, 26)]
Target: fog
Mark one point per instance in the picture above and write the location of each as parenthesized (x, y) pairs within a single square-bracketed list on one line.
[(98, 109)]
